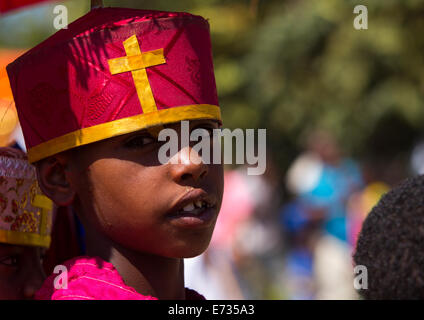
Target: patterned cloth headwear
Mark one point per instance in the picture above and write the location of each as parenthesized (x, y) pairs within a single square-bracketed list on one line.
[(112, 72), (25, 213)]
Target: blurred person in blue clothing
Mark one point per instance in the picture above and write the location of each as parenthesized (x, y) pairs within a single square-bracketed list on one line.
[(322, 180), (331, 178), (332, 193), (302, 226)]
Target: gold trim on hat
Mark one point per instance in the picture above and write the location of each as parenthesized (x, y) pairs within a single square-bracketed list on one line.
[(122, 126), (24, 238)]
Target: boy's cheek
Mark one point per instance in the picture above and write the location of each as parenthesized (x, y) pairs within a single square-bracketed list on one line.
[(10, 286), (6, 274), (217, 174)]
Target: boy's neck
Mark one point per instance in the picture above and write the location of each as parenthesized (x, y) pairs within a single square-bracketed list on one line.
[(148, 274)]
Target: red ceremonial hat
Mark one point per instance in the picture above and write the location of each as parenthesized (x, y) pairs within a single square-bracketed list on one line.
[(113, 71), (25, 213)]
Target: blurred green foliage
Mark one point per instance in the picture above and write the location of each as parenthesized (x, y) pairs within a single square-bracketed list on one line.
[(293, 66)]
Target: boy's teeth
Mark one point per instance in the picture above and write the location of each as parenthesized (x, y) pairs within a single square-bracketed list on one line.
[(196, 205), (189, 207)]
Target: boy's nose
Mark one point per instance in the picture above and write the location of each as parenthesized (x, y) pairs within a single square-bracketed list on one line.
[(30, 290), (190, 165), (34, 282)]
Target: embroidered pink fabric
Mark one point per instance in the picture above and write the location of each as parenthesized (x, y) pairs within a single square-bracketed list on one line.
[(91, 278)]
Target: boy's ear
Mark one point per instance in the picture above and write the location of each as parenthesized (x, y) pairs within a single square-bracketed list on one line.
[(53, 180)]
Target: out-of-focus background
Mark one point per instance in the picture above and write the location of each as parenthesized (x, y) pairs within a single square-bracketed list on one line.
[(344, 114)]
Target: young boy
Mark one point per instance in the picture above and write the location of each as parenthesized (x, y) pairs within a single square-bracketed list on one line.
[(25, 220), (91, 100), (391, 244)]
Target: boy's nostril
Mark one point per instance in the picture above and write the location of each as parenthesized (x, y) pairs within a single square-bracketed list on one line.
[(185, 176)]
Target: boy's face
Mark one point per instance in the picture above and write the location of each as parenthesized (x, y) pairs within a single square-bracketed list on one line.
[(129, 196), (21, 274)]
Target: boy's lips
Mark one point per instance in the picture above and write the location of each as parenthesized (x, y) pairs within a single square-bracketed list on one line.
[(195, 208)]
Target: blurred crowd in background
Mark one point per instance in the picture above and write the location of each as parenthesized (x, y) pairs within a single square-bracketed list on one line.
[(344, 114), (294, 239)]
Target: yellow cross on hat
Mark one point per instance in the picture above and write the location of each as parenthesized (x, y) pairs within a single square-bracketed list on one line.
[(137, 62)]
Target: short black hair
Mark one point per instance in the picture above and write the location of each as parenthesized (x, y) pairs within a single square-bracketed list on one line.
[(391, 244)]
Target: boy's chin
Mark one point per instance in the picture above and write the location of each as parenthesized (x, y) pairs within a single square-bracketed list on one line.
[(188, 251), (193, 254)]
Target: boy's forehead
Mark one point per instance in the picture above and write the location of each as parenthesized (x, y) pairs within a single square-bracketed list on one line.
[(192, 123), (6, 248)]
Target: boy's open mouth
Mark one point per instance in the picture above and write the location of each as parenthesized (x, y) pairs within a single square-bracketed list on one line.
[(195, 209)]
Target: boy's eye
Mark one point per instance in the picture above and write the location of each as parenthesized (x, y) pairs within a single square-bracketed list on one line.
[(139, 141), (9, 261)]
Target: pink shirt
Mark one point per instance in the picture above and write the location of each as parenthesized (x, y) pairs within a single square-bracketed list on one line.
[(94, 279)]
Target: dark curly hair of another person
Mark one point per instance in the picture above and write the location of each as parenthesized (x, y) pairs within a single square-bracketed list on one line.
[(391, 244)]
